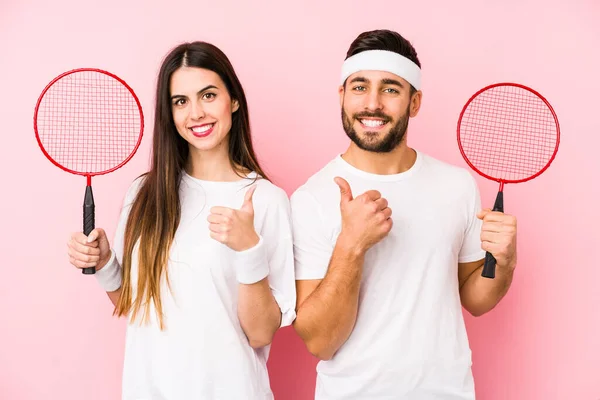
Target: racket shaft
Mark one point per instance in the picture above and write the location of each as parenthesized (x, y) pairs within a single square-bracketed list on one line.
[(489, 266), (89, 216)]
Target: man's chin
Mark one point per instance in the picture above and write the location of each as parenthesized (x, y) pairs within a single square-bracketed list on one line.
[(369, 145)]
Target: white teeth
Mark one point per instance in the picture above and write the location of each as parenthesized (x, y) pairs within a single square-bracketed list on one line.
[(202, 129), (371, 122)]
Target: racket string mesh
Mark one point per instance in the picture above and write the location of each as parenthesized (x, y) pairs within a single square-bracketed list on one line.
[(508, 133), (88, 122)]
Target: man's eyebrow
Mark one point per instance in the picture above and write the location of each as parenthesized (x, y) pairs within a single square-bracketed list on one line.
[(388, 81), (360, 79)]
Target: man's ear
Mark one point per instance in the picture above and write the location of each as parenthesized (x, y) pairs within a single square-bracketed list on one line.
[(415, 103)]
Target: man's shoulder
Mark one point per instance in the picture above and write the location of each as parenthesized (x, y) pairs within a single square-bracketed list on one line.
[(447, 172), (321, 182)]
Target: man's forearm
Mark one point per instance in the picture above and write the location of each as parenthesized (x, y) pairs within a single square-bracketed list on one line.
[(480, 295), (326, 318)]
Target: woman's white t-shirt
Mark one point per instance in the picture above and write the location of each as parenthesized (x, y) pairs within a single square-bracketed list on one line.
[(203, 352)]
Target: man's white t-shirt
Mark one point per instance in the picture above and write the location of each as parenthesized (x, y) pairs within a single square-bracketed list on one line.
[(203, 352), (409, 341)]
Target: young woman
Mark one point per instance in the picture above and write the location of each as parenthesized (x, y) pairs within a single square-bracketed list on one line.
[(202, 262)]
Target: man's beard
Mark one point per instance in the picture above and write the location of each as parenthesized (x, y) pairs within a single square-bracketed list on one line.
[(369, 142)]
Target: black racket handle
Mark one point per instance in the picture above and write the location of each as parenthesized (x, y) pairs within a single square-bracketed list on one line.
[(89, 216), (489, 266)]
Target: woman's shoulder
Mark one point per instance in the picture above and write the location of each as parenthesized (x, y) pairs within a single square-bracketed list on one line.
[(134, 188), (268, 193)]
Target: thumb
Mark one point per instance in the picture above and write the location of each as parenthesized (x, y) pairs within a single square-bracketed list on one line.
[(248, 206), (345, 190), (95, 234), (481, 214)]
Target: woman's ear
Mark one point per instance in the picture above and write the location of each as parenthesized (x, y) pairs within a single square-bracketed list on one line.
[(235, 105)]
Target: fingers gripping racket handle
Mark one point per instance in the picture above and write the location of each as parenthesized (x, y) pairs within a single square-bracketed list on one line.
[(489, 266), (89, 216)]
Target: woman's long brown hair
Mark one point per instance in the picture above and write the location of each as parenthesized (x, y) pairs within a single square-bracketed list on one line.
[(156, 211)]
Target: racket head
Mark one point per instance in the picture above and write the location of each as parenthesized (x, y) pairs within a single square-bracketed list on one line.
[(508, 133), (88, 122)]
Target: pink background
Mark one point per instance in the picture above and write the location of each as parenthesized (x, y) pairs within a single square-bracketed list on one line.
[(58, 339)]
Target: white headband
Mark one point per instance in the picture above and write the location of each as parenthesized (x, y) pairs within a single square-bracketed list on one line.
[(383, 60)]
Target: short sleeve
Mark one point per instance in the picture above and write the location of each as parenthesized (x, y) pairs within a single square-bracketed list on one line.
[(119, 237), (312, 248), (111, 276), (471, 246), (276, 233)]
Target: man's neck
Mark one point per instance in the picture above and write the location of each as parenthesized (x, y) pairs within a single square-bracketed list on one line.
[(399, 160)]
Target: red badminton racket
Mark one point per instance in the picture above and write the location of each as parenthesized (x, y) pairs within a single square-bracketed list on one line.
[(508, 133), (88, 122)]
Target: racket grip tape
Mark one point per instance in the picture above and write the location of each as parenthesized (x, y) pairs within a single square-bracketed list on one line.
[(489, 265), (89, 216)]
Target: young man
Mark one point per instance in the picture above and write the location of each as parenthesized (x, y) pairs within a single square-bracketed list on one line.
[(380, 291)]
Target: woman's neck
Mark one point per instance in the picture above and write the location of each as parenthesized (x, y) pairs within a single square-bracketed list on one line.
[(213, 165)]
